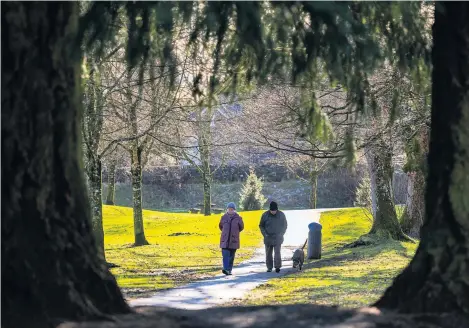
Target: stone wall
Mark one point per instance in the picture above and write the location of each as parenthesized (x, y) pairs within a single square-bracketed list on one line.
[(176, 187), (189, 174)]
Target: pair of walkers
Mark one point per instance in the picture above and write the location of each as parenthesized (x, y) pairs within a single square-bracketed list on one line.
[(273, 226)]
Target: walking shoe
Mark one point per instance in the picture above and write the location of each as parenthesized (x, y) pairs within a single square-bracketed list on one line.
[(229, 273), (225, 272), (269, 270), (277, 270)]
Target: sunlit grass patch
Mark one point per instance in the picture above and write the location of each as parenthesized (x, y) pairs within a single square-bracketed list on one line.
[(346, 277), (183, 247)]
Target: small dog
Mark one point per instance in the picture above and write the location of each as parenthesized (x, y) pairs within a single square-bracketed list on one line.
[(299, 256)]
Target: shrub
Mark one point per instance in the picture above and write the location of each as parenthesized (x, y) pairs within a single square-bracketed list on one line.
[(251, 194)]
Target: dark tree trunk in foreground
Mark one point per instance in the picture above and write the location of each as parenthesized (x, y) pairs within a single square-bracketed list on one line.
[(385, 222), (436, 280), (50, 267), (111, 183)]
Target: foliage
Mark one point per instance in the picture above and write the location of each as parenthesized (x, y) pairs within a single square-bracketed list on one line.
[(183, 247), (258, 40), (251, 194), (344, 277)]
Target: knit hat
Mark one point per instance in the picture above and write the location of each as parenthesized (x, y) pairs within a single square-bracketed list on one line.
[(273, 206), (231, 205)]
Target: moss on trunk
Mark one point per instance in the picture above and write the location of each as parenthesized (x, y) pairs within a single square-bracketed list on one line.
[(50, 267)]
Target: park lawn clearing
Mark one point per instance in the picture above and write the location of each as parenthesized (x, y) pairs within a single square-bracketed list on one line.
[(183, 247), (344, 277)]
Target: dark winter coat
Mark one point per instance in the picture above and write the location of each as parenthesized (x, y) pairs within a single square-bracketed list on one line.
[(273, 227), (230, 225)]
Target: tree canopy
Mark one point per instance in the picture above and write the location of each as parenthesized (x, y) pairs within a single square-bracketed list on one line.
[(261, 40)]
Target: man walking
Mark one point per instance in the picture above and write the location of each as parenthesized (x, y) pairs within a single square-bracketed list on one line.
[(273, 226)]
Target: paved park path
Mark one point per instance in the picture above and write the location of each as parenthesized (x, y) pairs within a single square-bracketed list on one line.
[(246, 275)]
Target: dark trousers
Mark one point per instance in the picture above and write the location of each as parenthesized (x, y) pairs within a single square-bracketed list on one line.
[(277, 260), (228, 258)]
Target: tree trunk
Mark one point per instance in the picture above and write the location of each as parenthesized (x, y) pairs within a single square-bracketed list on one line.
[(385, 222), (50, 268), (204, 149), (136, 171), (207, 195), (111, 184), (372, 174), (414, 213), (313, 179), (436, 280), (413, 216), (95, 196)]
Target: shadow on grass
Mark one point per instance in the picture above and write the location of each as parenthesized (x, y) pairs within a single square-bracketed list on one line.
[(331, 288), (345, 291)]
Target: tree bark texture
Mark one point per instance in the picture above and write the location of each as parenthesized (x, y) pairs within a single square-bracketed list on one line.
[(437, 279), (136, 171), (50, 268), (385, 222), (111, 184)]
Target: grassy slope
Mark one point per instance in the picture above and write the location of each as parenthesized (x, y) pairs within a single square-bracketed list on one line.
[(182, 247), (343, 277)]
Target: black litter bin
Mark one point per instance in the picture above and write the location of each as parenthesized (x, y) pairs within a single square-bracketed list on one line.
[(314, 241)]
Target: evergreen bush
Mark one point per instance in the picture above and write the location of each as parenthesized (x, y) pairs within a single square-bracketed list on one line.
[(251, 194)]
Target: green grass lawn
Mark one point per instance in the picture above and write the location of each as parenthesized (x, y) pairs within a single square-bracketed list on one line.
[(345, 277), (183, 247)]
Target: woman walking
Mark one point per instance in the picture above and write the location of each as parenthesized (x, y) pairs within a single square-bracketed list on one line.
[(231, 224)]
